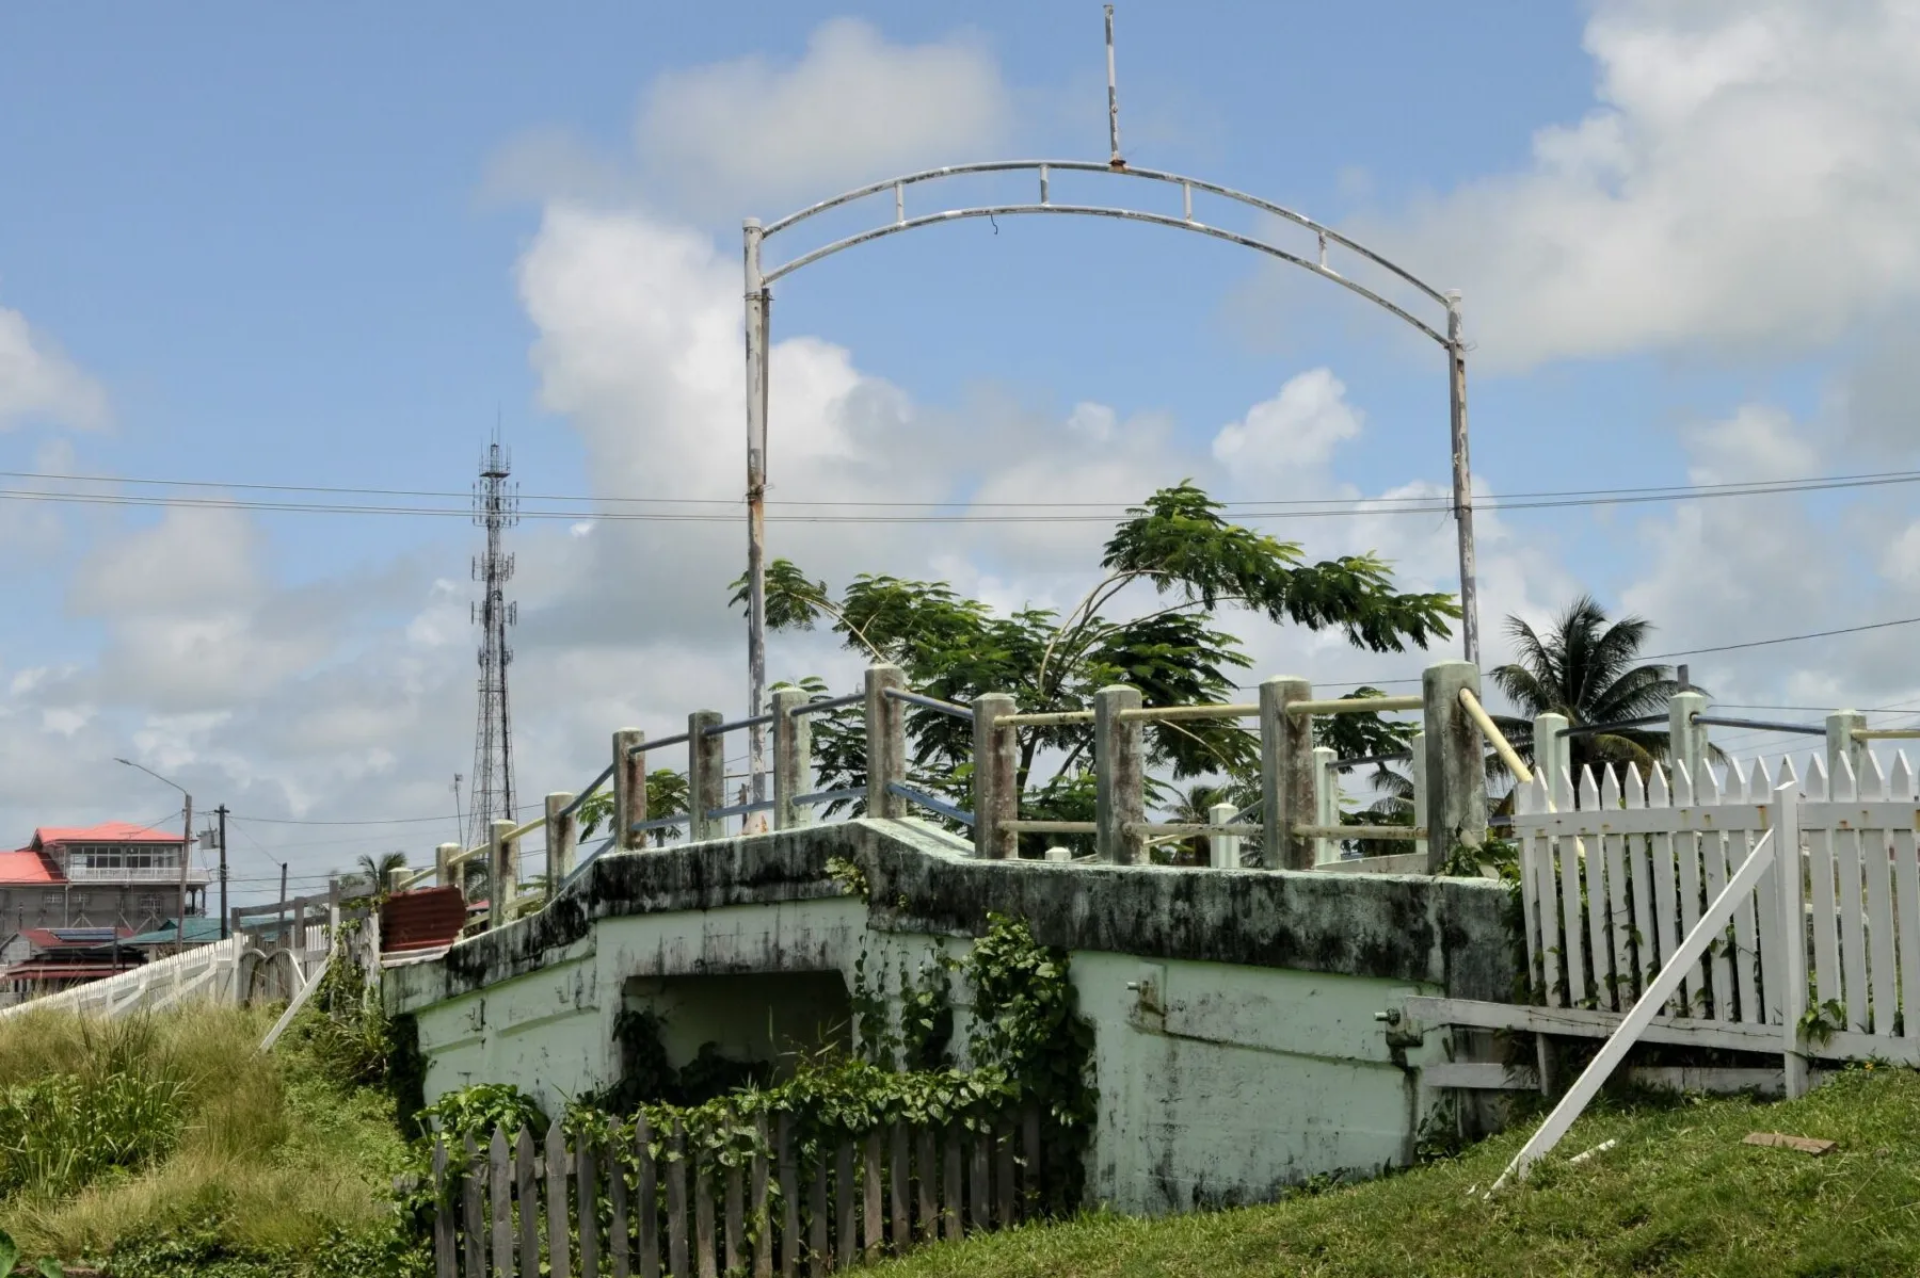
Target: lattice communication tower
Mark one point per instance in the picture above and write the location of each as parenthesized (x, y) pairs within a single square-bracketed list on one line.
[(496, 507)]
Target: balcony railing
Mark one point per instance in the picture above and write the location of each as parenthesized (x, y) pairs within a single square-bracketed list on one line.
[(134, 874)]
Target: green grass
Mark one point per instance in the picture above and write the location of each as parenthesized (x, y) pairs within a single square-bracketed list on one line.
[(1678, 1195), (259, 1155)]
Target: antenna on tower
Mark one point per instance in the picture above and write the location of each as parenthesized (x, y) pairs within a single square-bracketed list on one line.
[(496, 507)]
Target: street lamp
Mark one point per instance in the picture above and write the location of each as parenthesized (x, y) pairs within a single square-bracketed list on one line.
[(186, 847)]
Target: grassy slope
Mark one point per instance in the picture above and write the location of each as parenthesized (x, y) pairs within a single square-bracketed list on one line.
[(270, 1153), (1678, 1195)]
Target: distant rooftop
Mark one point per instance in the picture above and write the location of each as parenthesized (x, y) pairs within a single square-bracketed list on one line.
[(105, 832)]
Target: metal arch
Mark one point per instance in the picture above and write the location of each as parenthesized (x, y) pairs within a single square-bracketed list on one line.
[(1044, 167), (1094, 210)]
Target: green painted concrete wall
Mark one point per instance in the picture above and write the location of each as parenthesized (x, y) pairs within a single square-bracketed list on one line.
[(1230, 1061)]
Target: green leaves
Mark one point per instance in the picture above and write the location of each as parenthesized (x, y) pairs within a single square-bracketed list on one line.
[(48, 1267), (793, 602)]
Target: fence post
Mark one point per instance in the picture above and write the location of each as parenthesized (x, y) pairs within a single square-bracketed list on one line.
[(562, 833), (1326, 802), (996, 778), (1793, 933), (792, 758), (1418, 769), (1841, 725), (1286, 773), (1119, 775), (1550, 753), (503, 871), (1456, 773), (1686, 740), (886, 741), (1223, 850), (629, 787), (443, 869), (706, 775)]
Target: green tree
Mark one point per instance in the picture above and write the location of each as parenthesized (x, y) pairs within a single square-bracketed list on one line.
[(1588, 669), (1194, 560), (666, 796), (374, 870)]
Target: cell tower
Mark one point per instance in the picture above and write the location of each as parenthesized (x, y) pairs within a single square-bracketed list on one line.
[(496, 507)]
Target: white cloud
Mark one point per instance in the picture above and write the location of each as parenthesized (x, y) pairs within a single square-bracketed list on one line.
[(36, 381), (1299, 427), (1749, 177), (853, 108)]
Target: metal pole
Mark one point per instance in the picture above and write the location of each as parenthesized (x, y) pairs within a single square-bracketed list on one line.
[(1462, 481), (757, 330), (221, 812), (1113, 101), (186, 855)]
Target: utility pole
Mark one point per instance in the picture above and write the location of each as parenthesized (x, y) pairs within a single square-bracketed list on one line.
[(186, 855), (221, 812)]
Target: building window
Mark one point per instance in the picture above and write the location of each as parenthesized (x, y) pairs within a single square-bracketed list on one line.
[(49, 900), (78, 900), (150, 902)]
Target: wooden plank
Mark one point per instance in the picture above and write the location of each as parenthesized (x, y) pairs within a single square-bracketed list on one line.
[(1713, 856), (619, 1230), (586, 1169), (926, 1187), (1850, 898), (1820, 868), (789, 1172), (646, 1198), (980, 1208), (677, 1222), (901, 1233), (1804, 1144), (1906, 874), (819, 1257), (951, 1190), (1876, 856), (870, 1170), (1766, 899), (1530, 901), (446, 1256), (1572, 942), (703, 1239), (1619, 913), (526, 1189), (559, 1229), (1640, 872), (473, 1211), (1030, 1148), (846, 1196), (735, 1227), (500, 1192), (1686, 848), (1006, 1213), (757, 1195), (1666, 887), (1582, 1022), (1553, 963), (1746, 938), (1594, 864)]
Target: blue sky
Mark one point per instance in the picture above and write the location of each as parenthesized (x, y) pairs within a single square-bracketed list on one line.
[(332, 248)]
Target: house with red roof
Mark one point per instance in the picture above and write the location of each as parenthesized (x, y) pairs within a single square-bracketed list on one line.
[(116, 878)]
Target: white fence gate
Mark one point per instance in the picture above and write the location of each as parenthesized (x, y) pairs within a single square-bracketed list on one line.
[(1615, 872)]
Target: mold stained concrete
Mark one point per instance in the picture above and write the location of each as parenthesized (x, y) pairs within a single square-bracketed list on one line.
[(1236, 1049)]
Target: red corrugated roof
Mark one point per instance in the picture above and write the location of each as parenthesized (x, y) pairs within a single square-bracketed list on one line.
[(26, 971), (47, 938), (106, 832), (26, 866)]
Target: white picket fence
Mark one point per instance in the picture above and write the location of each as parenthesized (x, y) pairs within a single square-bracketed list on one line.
[(204, 972), (1615, 871)]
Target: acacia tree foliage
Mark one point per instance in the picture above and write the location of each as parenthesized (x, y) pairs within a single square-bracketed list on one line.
[(1180, 545)]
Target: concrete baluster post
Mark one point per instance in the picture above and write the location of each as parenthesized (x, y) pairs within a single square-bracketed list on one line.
[(1456, 771), (1119, 774), (503, 871), (397, 878), (563, 834), (706, 776), (1059, 856), (445, 873), (1223, 850), (1686, 740), (1550, 752), (629, 788), (792, 758), (1326, 802), (1286, 773), (1841, 743), (996, 785), (886, 741), (1418, 767)]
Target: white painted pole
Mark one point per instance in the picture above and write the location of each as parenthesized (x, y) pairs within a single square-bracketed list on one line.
[(1223, 850)]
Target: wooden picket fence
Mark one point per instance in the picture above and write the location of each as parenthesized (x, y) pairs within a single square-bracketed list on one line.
[(1615, 871), (689, 1215)]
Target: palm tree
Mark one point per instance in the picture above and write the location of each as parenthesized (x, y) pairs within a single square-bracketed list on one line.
[(375, 869), (1586, 669)]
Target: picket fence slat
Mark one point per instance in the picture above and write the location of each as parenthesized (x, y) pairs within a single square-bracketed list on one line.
[(1003, 1175), (646, 1197), (501, 1204), (1641, 869), (526, 1194), (703, 1238), (818, 1257), (1713, 864), (789, 1200), (676, 1161), (1619, 994), (926, 1188), (870, 1194), (1572, 945), (901, 1233), (472, 1212), (735, 1223), (978, 1207), (1593, 863), (586, 1178), (1769, 1007), (618, 1231), (1907, 886), (559, 1252), (1530, 898), (446, 1261), (757, 1192), (950, 1194)]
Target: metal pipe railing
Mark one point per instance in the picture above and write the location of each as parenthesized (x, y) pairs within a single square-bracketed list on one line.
[(931, 703), (928, 801)]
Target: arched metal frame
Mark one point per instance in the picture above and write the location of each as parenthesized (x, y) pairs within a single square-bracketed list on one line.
[(759, 304)]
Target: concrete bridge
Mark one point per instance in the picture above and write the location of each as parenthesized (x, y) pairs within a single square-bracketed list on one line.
[(1237, 1045)]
